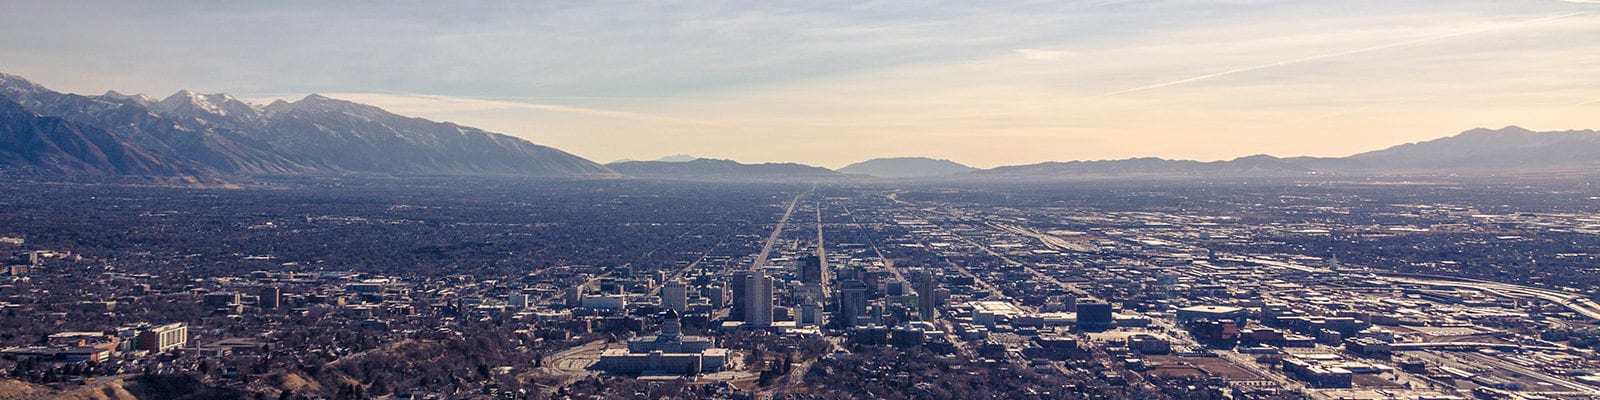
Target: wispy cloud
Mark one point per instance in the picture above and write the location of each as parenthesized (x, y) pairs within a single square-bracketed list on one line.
[(1412, 42), (1581, 104), (987, 83), (427, 103), (1043, 55)]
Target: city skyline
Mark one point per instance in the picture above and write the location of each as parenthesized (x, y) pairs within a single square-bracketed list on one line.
[(1024, 200), (824, 85)]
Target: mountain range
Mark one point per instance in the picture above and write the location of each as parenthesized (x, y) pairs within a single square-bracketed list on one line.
[(1479, 152), (216, 134), (722, 170), (191, 136)]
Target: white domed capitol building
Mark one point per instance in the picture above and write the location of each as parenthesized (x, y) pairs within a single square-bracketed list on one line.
[(669, 352)]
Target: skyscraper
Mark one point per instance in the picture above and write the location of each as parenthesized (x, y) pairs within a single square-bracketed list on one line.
[(739, 285), (852, 302), (810, 268), (927, 294), (758, 300), (675, 296)]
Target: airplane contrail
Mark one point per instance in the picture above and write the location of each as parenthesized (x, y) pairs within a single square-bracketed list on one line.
[(1342, 53)]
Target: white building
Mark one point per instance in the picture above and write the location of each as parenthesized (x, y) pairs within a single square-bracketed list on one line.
[(669, 352), (163, 338), (675, 296)]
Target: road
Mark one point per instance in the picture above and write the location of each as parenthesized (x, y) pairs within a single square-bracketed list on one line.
[(766, 250), (875, 249), (822, 251), (797, 375), (1503, 365), (1576, 303), (1025, 267), (681, 271)]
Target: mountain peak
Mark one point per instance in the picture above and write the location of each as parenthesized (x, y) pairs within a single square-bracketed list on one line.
[(317, 102), (1257, 158), (191, 104), (137, 98), (678, 158), (1509, 129), (711, 169), (906, 167), (671, 158), (17, 84)]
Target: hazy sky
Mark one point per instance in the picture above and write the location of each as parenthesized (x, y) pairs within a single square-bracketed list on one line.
[(984, 83)]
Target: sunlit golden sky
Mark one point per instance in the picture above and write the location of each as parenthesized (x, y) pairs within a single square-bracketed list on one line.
[(983, 83)]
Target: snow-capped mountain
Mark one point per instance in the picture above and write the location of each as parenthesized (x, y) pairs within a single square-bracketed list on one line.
[(219, 134)]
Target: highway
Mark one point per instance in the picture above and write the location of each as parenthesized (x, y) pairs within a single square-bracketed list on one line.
[(1520, 370), (1574, 302)]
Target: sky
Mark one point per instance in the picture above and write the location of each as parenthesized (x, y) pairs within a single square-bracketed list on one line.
[(831, 83)]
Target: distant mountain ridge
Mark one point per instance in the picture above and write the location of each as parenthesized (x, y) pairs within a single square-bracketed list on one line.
[(189, 135), (671, 158), (1478, 152), (220, 135), (1509, 148), (705, 169), (906, 167)]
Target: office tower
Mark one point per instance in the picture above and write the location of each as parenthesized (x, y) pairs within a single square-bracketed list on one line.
[(852, 302), (675, 296), (270, 297), (927, 294), (518, 300), (810, 268), (758, 300), (738, 283), (1094, 314), (717, 295)]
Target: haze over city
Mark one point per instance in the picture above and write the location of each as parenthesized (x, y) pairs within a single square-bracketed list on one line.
[(1084, 200), (834, 83)]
